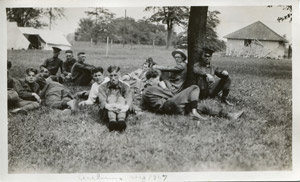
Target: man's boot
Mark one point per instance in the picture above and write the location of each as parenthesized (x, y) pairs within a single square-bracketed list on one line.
[(224, 97), (234, 116)]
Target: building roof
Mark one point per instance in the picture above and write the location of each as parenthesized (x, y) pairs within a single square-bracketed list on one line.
[(51, 37), (258, 31)]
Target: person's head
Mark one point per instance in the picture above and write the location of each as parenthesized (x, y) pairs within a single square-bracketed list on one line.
[(69, 54), (44, 72), (206, 55), (56, 51), (179, 56), (97, 74), (152, 77), (114, 74), (149, 63), (81, 57), (30, 75)]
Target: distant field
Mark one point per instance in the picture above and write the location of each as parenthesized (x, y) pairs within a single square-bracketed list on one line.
[(46, 142)]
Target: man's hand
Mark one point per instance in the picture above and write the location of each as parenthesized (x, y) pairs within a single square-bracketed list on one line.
[(210, 79), (111, 107), (37, 97), (81, 104), (225, 73), (123, 108)]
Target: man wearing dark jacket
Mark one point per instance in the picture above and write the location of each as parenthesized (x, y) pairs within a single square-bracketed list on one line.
[(28, 91), (207, 82), (68, 64), (54, 63), (81, 73)]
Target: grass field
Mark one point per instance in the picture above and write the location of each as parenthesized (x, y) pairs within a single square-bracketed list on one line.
[(45, 141)]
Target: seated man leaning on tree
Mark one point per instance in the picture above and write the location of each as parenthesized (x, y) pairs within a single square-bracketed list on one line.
[(160, 99), (177, 73), (206, 80), (115, 98), (81, 72), (28, 90)]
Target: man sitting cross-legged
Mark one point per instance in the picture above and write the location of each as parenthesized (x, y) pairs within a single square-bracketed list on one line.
[(115, 98), (160, 99)]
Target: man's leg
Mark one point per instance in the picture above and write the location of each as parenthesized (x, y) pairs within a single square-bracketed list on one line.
[(25, 105), (219, 112), (12, 98), (121, 116), (224, 86), (84, 79), (184, 102)]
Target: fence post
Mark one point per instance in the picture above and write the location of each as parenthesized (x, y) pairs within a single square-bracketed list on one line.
[(107, 44)]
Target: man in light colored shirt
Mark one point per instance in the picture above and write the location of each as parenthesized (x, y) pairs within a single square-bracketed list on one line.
[(93, 93)]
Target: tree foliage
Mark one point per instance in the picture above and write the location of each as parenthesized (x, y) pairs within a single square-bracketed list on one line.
[(101, 23), (53, 14), (31, 17), (136, 32), (288, 16), (171, 16), (25, 17), (212, 39)]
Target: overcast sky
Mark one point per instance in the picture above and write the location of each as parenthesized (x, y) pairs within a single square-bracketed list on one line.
[(232, 18)]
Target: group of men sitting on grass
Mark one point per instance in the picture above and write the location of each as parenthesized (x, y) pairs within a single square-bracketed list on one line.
[(157, 88)]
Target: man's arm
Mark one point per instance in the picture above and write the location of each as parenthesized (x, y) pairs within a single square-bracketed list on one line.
[(221, 73), (197, 69), (23, 92), (178, 67), (102, 96)]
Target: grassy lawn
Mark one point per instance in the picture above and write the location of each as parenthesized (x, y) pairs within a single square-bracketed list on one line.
[(45, 141)]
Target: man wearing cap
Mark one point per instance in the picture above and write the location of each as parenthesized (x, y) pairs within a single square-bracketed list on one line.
[(209, 85), (67, 65), (81, 73), (54, 63), (177, 72)]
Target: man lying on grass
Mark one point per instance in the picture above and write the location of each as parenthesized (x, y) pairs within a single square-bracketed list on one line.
[(54, 94), (28, 91), (115, 98), (160, 99)]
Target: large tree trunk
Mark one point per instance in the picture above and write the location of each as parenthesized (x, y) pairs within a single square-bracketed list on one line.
[(196, 39)]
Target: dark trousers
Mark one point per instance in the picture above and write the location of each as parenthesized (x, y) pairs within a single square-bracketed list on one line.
[(84, 79), (180, 103), (222, 84)]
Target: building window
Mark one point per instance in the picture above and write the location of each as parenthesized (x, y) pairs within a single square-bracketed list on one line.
[(247, 42)]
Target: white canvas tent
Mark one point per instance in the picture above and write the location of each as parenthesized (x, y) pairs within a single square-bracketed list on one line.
[(45, 39), (15, 38)]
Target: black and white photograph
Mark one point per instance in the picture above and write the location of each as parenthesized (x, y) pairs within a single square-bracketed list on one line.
[(149, 91)]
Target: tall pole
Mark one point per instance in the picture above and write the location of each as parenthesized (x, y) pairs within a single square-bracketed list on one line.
[(124, 29)]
